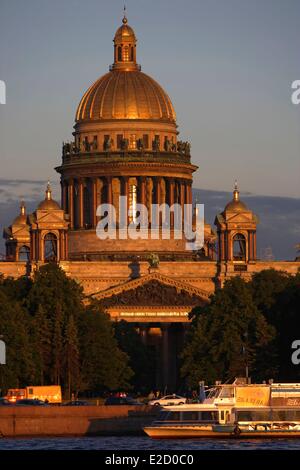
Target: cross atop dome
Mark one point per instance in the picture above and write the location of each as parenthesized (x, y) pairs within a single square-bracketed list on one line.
[(124, 21)]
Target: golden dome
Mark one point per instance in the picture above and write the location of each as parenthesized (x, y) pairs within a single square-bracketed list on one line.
[(21, 219), (124, 33), (236, 205), (125, 92), (48, 203), (125, 95)]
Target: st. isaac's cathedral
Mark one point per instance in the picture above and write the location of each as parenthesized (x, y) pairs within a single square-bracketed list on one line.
[(126, 144)]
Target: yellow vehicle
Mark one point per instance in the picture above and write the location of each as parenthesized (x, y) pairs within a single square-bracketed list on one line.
[(48, 393)]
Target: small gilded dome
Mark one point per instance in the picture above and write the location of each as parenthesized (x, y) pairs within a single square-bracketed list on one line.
[(21, 219), (48, 203), (125, 33), (236, 205)]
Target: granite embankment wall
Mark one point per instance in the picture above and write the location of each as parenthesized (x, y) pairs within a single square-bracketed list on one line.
[(74, 421)]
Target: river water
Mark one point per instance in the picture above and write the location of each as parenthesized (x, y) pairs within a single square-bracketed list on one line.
[(145, 443)]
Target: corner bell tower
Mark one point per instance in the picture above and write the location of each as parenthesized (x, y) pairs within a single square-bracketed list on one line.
[(236, 228)]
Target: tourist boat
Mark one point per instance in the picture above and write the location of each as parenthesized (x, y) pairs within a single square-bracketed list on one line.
[(237, 410)]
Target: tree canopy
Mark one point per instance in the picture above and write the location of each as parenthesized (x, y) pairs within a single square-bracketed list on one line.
[(52, 337), (245, 324)]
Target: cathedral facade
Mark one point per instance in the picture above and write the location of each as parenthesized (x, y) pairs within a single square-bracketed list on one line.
[(126, 143)]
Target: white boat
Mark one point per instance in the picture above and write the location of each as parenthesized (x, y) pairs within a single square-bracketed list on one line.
[(236, 410)]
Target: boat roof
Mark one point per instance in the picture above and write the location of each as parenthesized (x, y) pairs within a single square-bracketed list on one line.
[(191, 407)]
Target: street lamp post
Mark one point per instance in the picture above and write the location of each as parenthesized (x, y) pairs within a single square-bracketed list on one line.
[(2, 360), (245, 353)]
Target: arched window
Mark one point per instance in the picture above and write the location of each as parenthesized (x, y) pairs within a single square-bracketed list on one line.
[(119, 54), (24, 253), (50, 247), (239, 247), (131, 54)]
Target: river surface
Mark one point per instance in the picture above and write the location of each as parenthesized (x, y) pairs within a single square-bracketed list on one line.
[(145, 443)]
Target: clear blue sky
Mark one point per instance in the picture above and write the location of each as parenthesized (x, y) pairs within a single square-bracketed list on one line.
[(227, 65)]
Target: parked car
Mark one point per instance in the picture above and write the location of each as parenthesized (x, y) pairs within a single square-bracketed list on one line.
[(30, 402), (77, 403), (168, 400), (4, 402), (122, 401)]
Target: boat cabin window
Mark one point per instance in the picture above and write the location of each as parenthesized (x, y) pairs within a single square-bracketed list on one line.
[(214, 392), (190, 415), (162, 415), (209, 416), (227, 392), (172, 416), (285, 415), (255, 415)]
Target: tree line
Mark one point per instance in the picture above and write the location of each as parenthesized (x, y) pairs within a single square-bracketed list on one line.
[(52, 337), (246, 324)]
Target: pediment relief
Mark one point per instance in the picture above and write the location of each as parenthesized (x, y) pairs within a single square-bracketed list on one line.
[(153, 289), (20, 232), (49, 218)]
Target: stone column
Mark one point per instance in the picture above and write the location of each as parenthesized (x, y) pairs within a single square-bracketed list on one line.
[(94, 203), (125, 192), (80, 203), (158, 201), (254, 246), (143, 333), (165, 354), (171, 200), (182, 197), (189, 200), (109, 197), (64, 190), (222, 240), (63, 255), (142, 190), (71, 202), (188, 193), (66, 246), (250, 246)]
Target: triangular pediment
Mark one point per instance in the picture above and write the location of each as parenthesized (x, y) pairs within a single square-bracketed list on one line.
[(240, 217), (50, 218), (152, 289)]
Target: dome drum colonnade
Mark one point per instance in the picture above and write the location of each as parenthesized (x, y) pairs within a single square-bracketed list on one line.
[(81, 196)]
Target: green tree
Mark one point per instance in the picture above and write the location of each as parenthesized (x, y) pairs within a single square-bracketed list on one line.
[(277, 295), (56, 370), (52, 287), (19, 368), (226, 335), (61, 298), (285, 318), (265, 287), (104, 366), (41, 334), (71, 357), (141, 357)]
